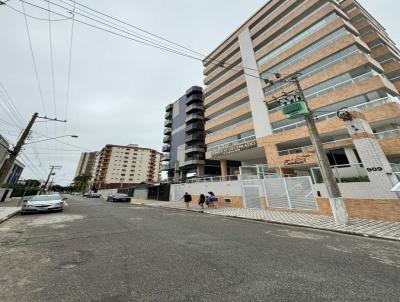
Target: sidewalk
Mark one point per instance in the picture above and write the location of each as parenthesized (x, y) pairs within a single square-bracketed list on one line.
[(8, 209), (370, 228)]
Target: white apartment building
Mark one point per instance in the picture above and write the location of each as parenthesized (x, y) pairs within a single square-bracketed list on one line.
[(121, 166)]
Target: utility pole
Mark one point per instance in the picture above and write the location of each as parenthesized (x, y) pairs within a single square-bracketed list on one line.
[(9, 162), (48, 177), (335, 197)]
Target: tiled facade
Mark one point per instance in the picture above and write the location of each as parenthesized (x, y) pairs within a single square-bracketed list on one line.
[(121, 166), (346, 59)]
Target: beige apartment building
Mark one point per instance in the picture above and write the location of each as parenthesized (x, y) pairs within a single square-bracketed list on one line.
[(346, 59), (86, 164), (121, 166)]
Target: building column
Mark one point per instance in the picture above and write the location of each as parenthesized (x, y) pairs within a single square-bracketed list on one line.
[(224, 168), (370, 151), (200, 170), (259, 111)]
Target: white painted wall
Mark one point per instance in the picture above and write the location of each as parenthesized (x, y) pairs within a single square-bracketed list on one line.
[(226, 188), (358, 190), (259, 112)]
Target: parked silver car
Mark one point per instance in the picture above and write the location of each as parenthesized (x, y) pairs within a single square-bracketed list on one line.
[(43, 203)]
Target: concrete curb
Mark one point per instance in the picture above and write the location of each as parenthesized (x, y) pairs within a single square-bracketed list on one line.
[(2, 219), (281, 223), (309, 227)]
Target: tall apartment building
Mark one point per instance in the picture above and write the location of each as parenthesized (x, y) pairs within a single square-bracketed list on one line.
[(346, 59), (184, 135), (121, 166), (86, 164)]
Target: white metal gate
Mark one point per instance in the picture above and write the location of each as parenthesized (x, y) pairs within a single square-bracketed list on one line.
[(251, 187), (251, 193), (290, 193), (177, 192)]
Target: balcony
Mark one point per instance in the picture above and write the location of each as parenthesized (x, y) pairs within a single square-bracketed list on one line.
[(167, 139), (194, 117), (194, 107), (389, 133), (167, 130), (168, 123), (194, 160), (195, 98), (194, 89), (195, 149), (168, 115), (194, 137), (169, 107), (198, 126), (332, 115), (164, 167), (166, 148)]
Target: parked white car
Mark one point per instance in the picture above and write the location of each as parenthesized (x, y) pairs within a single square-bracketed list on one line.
[(43, 203)]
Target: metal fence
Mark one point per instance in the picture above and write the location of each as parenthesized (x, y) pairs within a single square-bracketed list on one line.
[(290, 193)]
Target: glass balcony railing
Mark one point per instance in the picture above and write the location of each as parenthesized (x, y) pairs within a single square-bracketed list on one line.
[(343, 173), (320, 118), (389, 133), (232, 126)]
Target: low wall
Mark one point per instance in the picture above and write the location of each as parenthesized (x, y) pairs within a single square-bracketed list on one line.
[(234, 201), (360, 199), (358, 190), (370, 209)]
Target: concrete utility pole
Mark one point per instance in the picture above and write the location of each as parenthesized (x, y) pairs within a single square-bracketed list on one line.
[(48, 177), (9, 162), (335, 197)]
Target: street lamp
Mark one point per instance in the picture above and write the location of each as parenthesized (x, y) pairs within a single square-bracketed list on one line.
[(51, 138)]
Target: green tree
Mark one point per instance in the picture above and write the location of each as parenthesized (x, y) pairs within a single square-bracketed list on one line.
[(82, 182), (32, 183)]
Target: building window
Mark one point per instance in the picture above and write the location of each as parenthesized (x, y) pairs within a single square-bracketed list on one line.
[(337, 157)]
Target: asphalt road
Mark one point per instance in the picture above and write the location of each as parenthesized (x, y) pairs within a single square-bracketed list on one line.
[(98, 251)]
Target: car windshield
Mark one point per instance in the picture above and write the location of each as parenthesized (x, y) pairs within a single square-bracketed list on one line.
[(45, 197), (121, 195)]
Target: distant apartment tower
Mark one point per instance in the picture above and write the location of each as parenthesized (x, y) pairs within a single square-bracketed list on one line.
[(121, 166), (346, 59), (184, 135), (86, 164)]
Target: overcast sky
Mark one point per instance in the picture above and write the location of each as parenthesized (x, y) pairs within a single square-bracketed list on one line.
[(119, 88)]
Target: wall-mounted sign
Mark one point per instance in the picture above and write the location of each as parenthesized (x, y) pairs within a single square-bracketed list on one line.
[(235, 148), (298, 160)]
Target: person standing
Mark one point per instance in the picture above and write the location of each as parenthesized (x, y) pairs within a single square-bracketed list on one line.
[(202, 200), (187, 198)]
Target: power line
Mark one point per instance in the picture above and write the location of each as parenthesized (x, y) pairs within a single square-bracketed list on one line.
[(33, 17), (70, 62), (203, 59), (10, 103), (33, 58), (141, 40), (159, 37), (52, 77), (52, 63)]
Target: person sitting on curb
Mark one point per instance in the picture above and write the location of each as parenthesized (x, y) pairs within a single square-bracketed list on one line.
[(187, 198)]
